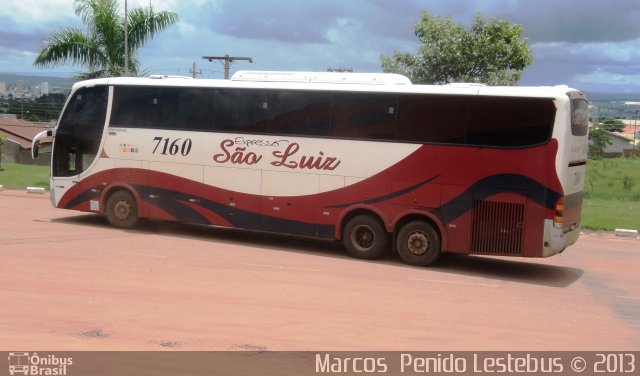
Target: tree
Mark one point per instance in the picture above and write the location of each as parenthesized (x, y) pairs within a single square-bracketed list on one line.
[(599, 139), (612, 125), (491, 51), (101, 47)]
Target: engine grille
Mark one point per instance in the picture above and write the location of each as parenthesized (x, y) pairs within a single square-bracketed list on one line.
[(497, 228)]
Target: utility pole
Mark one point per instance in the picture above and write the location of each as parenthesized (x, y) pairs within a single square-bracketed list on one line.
[(227, 61), (193, 70)]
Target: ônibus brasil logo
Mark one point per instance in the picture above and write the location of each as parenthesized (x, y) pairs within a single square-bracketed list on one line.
[(24, 363)]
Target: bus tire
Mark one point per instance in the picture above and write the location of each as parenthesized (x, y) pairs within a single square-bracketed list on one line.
[(364, 237), (122, 210), (418, 243)]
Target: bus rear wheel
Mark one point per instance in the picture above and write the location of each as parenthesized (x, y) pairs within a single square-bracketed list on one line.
[(364, 237), (418, 243), (122, 210)]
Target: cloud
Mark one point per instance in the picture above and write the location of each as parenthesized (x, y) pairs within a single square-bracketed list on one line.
[(575, 20)]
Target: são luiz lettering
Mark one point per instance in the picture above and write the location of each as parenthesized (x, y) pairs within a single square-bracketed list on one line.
[(289, 157)]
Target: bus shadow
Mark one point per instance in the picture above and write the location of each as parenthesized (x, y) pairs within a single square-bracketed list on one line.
[(512, 270)]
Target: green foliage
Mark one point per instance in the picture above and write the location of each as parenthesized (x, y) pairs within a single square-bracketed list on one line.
[(598, 214), (599, 140), (491, 51), (612, 125), (19, 176), (101, 47), (45, 108), (613, 179), (612, 199)]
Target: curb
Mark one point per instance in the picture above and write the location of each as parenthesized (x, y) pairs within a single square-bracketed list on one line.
[(621, 232), (35, 190)]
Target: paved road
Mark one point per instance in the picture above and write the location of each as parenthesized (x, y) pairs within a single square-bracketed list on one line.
[(70, 282)]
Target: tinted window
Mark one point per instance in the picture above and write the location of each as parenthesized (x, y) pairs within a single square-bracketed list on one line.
[(507, 121), (185, 108), (237, 110), (136, 107), (299, 112), (79, 132), (363, 115), (432, 118), (165, 108), (579, 117)]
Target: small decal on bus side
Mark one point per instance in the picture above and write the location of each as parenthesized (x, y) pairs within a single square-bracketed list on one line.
[(94, 205)]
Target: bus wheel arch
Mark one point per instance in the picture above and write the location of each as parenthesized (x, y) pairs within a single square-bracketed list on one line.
[(121, 207), (364, 235), (418, 240)]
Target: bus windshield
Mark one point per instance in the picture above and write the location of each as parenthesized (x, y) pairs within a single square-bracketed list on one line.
[(79, 132)]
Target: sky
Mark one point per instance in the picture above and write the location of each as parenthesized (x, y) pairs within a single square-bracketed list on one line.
[(592, 45)]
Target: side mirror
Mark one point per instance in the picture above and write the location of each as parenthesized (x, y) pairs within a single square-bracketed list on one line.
[(35, 144)]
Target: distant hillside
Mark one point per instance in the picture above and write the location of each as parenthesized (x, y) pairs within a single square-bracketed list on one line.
[(31, 80), (613, 97), (613, 105)]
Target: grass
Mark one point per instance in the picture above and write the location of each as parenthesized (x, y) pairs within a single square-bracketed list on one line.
[(615, 179), (598, 214), (19, 176), (611, 194)]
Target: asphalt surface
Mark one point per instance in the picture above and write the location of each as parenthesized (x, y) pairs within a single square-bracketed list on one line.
[(69, 281)]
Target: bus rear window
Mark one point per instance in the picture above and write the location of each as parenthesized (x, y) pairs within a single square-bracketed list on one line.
[(510, 121), (579, 117)]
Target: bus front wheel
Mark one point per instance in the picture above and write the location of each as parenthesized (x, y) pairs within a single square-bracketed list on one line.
[(122, 210), (418, 243), (364, 237)]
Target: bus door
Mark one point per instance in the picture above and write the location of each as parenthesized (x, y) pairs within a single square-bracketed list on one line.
[(77, 137)]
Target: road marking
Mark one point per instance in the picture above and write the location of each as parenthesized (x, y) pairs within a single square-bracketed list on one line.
[(455, 282)]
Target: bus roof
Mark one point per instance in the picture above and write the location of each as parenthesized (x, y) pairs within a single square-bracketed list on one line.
[(333, 81), (322, 77)]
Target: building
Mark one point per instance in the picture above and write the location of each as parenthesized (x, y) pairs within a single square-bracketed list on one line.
[(619, 143), (19, 135)]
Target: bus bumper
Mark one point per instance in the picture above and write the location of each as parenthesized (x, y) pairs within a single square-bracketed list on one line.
[(557, 240)]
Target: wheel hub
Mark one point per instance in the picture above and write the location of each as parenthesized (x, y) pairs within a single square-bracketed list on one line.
[(418, 243), (364, 237), (122, 210)]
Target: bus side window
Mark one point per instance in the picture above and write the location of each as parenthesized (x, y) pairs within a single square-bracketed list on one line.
[(364, 115), (136, 107), (240, 110), (299, 112), (432, 118), (510, 121), (185, 108)]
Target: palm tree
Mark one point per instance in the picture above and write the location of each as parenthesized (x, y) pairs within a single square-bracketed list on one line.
[(101, 47)]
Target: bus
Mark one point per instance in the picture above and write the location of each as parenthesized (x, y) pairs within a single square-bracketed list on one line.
[(369, 160)]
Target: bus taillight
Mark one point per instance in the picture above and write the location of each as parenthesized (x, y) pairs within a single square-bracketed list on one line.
[(558, 218)]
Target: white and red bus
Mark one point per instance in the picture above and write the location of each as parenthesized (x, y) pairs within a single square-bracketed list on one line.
[(367, 159)]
